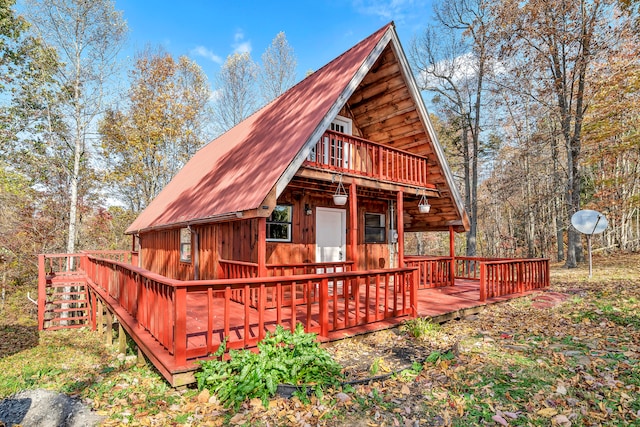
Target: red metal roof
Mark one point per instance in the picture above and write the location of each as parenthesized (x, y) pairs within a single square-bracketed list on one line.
[(236, 171)]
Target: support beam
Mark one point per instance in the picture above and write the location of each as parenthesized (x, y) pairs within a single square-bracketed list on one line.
[(353, 226), (109, 320), (400, 225), (262, 247), (196, 254), (122, 339), (452, 254), (100, 317)]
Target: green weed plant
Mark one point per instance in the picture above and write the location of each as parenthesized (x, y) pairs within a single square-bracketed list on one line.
[(284, 357)]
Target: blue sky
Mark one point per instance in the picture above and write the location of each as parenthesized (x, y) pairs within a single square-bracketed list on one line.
[(318, 31)]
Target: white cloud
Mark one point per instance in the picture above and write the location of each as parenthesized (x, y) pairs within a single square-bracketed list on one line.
[(459, 69), (396, 10), (206, 53), (240, 45)]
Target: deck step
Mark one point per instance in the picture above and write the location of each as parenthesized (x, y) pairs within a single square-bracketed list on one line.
[(70, 290), (67, 310), (60, 327), (66, 319), (68, 301)]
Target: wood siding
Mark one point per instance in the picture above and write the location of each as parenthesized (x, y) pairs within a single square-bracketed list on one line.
[(160, 253), (238, 240)]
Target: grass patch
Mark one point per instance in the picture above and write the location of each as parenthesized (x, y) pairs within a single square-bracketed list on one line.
[(421, 327)]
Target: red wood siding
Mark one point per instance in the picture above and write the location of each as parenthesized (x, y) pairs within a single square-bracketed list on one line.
[(238, 240), (160, 253)]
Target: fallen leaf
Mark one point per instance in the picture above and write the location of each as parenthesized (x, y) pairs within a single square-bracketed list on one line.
[(497, 418), (561, 420), (547, 412), (204, 396), (237, 419)]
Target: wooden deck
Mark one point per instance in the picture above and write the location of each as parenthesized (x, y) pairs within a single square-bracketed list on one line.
[(177, 323)]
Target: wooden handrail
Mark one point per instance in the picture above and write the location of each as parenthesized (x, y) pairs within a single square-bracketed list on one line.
[(433, 271), (504, 277), (159, 304), (350, 154)]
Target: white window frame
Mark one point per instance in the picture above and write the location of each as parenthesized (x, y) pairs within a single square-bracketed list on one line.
[(289, 223), (185, 242)]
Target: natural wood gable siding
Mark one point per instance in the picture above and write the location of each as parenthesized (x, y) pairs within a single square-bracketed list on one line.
[(383, 110)]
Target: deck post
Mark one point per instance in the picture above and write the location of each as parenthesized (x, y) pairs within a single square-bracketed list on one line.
[(452, 254), (42, 291), (400, 226), (180, 326), (94, 310), (109, 319), (324, 307), (353, 225), (141, 361), (100, 317), (262, 247), (413, 296), (483, 282), (122, 339)]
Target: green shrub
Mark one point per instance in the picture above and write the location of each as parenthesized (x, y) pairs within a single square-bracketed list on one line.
[(285, 358)]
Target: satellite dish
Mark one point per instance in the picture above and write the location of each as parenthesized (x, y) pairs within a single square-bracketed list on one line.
[(589, 222)]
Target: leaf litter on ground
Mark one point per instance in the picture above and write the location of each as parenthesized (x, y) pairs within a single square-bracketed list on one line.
[(515, 363)]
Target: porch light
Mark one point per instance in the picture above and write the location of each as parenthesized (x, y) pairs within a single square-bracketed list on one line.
[(423, 205), (340, 196)]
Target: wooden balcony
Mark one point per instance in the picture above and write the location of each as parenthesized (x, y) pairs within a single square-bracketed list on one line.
[(349, 154)]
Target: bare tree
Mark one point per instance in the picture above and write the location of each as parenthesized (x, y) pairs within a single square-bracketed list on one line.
[(558, 42), (452, 62), (278, 68), (235, 91), (87, 36)]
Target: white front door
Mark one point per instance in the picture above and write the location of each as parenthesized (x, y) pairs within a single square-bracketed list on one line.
[(331, 234)]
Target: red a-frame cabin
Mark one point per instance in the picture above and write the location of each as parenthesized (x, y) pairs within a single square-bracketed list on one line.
[(256, 229)]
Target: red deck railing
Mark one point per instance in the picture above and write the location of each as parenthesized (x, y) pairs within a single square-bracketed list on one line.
[(433, 272), (497, 276), (350, 154), (504, 277), (189, 319)]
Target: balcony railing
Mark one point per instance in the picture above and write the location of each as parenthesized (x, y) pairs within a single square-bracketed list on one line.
[(349, 154)]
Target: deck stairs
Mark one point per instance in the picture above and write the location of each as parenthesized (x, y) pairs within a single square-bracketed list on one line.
[(67, 301)]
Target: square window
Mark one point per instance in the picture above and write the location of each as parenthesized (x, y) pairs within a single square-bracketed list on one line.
[(279, 224), (375, 227)]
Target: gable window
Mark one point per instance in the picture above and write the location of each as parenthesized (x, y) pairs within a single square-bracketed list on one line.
[(279, 224), (185, 245), (374, 228), (334, 150)]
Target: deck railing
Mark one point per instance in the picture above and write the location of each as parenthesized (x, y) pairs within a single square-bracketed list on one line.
[(349, 154), (497, 276), (165, 307), (504, 277), (433, 272)]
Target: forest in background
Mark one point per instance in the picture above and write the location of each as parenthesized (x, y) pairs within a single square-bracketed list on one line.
[(535, 102)]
